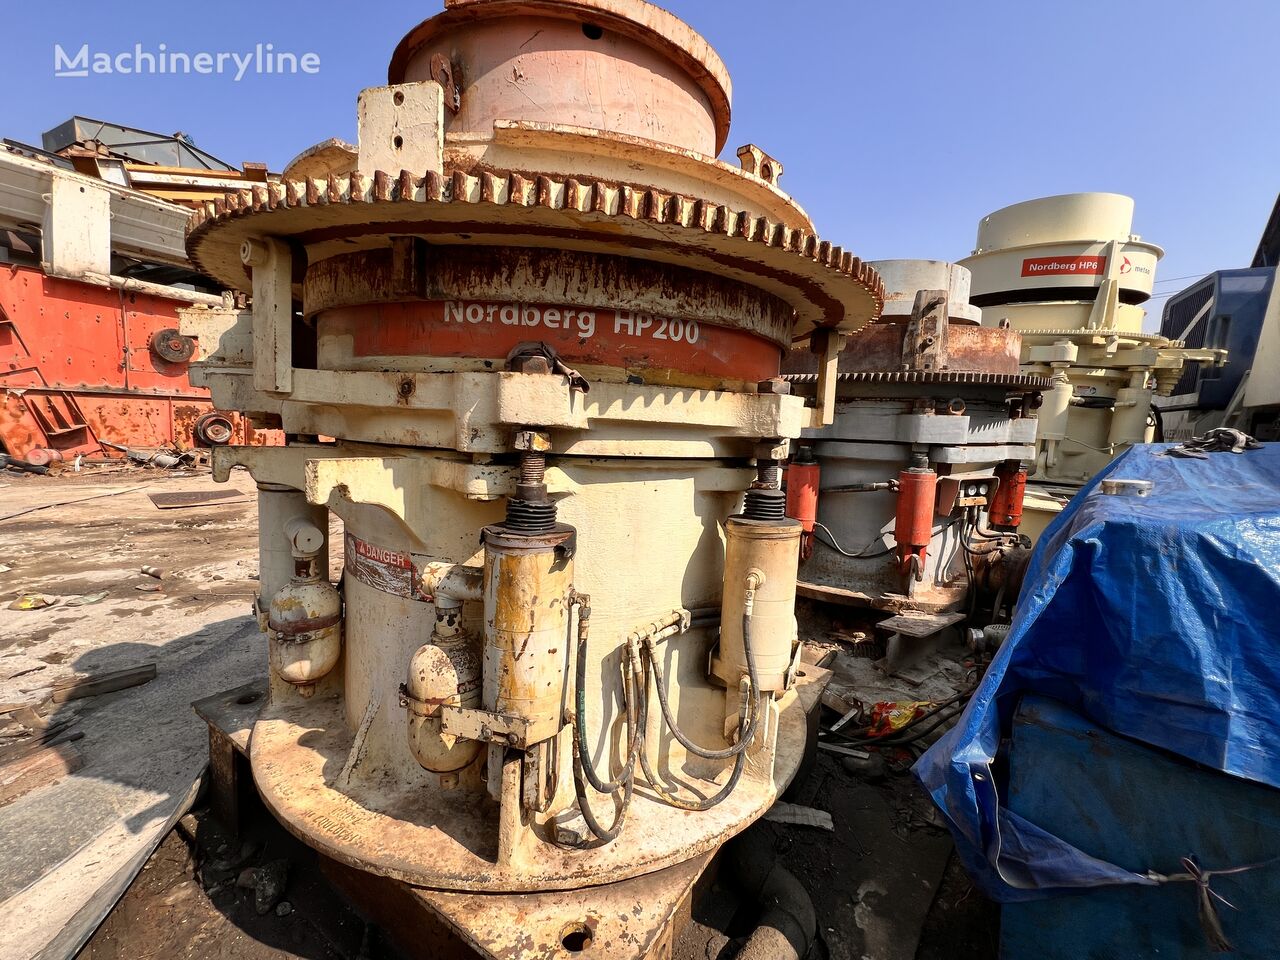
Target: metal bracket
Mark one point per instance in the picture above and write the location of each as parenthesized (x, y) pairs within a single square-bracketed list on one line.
[(924, 347), (489, 726)]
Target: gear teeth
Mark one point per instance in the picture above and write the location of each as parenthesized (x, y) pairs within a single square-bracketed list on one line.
[(516, 189), (1027, 381)]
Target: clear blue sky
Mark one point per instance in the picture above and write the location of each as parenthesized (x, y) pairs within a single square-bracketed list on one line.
[(899, 123)]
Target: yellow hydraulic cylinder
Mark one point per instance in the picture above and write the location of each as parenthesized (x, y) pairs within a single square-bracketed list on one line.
[(528, 582), (761, 559)]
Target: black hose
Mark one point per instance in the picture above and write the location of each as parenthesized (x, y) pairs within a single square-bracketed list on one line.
[(738, 751), (860, 735), (831, 543), (753, 716), (947, 710), (697, 806), (581, 749), (583, 770), (787, 922), (637, 717)]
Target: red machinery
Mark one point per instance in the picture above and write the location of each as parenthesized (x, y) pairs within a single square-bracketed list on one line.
[(93, 272), (81, 364)]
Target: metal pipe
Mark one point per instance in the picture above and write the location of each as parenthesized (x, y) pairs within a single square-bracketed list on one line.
[(130, 285), (787, 921), (454, 580)]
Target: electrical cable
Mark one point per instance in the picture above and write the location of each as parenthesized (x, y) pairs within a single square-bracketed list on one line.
[(952, 713), (834, 545), (1157, 422)]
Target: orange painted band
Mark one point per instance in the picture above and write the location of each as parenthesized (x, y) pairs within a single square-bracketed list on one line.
[(581, 335)]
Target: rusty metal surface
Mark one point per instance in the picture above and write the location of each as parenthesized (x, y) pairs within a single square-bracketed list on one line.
[(385, 828), (536, 276), (230, 716), (540, 44), (196, 498), (879, 348), (633, 918), (77, 367), (233, 712), (826, 284), (937, 599), (630, 919)]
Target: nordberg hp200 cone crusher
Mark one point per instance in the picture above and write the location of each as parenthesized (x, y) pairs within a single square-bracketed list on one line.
[(543, 327)]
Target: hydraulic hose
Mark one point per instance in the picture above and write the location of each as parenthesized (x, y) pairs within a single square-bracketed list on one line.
[(582, 750), (753, 716), (697, 806), (636, 717)]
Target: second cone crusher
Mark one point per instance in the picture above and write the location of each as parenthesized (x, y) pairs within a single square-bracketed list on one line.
[(911, 499)]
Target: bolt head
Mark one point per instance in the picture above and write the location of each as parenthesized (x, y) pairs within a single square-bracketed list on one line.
[(775, 386), (534, 441), (773, 449)]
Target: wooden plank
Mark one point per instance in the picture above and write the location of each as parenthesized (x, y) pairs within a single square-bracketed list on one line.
[(189, 195), (184, 171), (92, 685), (37, 770), (924, 345), (57, 732)]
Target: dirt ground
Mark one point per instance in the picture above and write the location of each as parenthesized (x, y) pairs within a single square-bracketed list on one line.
[(872, 884), (884, 883)]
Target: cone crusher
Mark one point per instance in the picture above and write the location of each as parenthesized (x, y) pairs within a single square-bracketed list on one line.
[(911, 499), (1070, 276), (524, 339)]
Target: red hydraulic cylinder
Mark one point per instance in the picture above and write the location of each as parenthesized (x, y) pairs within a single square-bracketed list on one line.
[(1006, 505), (802, 497), (913, 524)]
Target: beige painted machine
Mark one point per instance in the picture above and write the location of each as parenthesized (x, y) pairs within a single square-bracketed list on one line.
[(1068, 274), (544, 327)]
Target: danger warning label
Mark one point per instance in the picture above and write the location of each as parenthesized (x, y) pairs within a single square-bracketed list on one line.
[(391, 571), (1064, 266)]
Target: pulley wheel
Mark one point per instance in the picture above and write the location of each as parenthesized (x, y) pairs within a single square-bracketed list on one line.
[(213, 430), (172, 346)]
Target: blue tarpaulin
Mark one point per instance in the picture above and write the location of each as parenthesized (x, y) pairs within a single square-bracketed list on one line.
[(1155, 617)]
